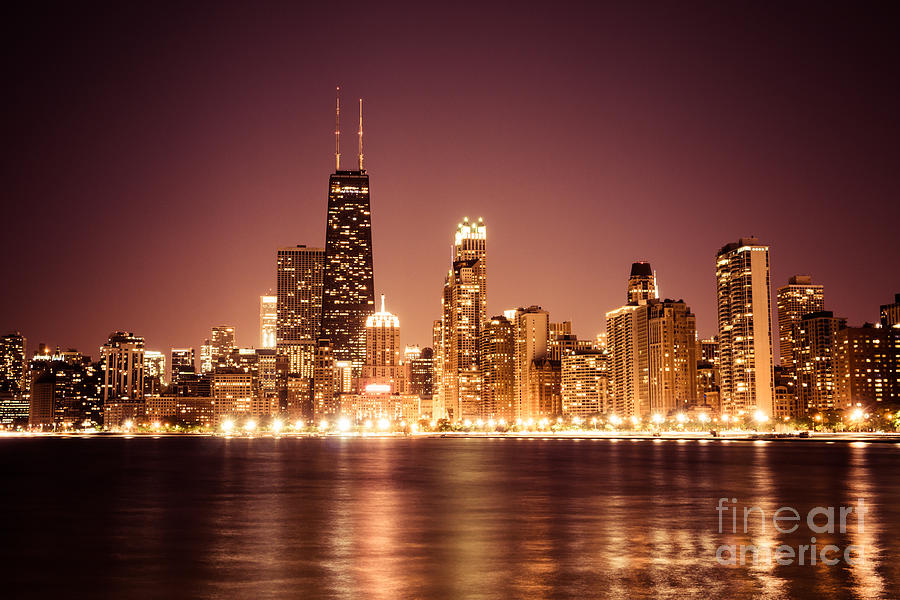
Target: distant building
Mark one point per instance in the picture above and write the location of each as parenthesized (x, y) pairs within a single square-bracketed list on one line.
[(641, 283), (464, 310), (123, 360), (348, 289), (745, 327), (498, 364), (787, 400), (268, 319), (709, 351), (232, 394), (300, 272), (221, 346), (813, 351), (206, 357), (865, 365), (154, 371), (799, 297), (890, 313), (182, 361), (376, 405), (324, 395), (532, 343), (419, 380), (544, 394), (584, 383), (382, 362), (13, 364)]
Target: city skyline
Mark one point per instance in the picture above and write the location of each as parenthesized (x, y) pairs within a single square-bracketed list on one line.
[(259, 175)]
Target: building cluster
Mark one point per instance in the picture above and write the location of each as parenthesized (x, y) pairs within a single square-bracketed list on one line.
[(326, 353)]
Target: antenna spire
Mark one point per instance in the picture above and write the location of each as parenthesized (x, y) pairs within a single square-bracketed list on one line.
[(360, 136), (382, 303), (337, 131)]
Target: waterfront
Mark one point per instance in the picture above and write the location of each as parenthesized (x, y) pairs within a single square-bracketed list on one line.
[(187, 516)]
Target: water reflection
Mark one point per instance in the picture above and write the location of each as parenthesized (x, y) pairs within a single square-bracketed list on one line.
[(437, 518)]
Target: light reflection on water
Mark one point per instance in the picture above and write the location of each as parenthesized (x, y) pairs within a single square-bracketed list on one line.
[(435, 518)]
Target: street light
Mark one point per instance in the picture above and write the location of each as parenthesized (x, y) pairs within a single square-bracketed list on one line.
[(227, 426)]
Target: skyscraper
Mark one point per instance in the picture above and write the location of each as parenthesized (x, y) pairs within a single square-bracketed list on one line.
[(671, 355), (813, 351), (464, 306), (532, 344), (348, 296), (627, 355), (745, 327), (221, 346), (799, 297), (182, 361), (299, 305), (154, 371), (382, 366), (268, 316), (498, 364), (641, 283), (13, 371), (123, 360)]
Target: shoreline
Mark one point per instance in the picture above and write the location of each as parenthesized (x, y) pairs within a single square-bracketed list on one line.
[(702, 437)]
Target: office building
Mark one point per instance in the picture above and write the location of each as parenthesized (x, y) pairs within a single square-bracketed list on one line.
[(300, 272), (348, 293), (813, 359)]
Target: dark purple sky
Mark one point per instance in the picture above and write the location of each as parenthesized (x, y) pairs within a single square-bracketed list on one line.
[(157, 156)]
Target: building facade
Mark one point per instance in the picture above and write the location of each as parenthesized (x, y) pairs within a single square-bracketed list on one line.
[(745, 327), (799, 297)]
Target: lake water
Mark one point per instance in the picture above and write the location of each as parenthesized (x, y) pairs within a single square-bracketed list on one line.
[(194, 517)]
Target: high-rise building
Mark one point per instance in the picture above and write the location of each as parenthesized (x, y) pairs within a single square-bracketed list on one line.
[(464, 309), (382, 366), (182, 361), (221, 346), (324, 389), (123, 362), (745, 327), (206, 360), (709, 351), (498, 365), (628, 395), (671, 355), (865, 365), (641, 283), (890, 313), (299, 305), (268, 317), (532, 344), (585, 382), (813, 359), (154, 371), (799, 297), (544, 395), (419, 380), (348, 284), (13, 364)]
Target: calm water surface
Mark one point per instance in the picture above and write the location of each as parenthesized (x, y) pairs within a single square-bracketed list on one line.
[(189, 517)]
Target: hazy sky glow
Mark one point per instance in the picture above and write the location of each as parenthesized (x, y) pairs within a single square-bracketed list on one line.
[(157, 156)]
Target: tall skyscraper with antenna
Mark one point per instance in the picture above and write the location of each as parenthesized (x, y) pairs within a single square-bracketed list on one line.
[(349, 290)]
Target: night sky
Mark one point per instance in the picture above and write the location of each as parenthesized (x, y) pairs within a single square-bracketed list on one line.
[(157, 156)]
